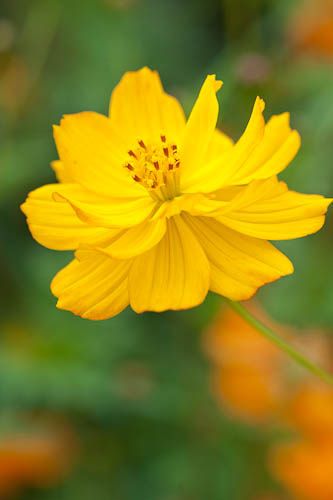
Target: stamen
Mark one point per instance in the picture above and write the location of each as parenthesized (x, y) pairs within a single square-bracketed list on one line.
[(154, 166)]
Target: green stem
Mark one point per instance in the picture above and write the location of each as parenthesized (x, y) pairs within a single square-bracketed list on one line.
[(280, 343)]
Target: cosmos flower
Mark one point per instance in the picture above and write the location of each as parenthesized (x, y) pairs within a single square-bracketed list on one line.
[(304, 465), (161, 210), (248, 371), (310, 411), (304, 468), (310, 29), (33, 460)]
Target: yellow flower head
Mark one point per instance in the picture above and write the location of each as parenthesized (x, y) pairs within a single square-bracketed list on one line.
[(160, 210)]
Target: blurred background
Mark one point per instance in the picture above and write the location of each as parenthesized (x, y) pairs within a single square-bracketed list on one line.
[(178, 406)]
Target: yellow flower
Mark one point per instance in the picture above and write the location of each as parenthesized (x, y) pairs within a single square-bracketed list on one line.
[(160, 210)]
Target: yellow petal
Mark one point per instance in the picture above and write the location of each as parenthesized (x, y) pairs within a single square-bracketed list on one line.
[(94, 155), (111, 213), (266, 209), (277, 149), (219, 144), (136, 240), (172, 275), (140, 109), (216, 174), (62, 174), (199, 131), (239, 264), (94, 287), (56, 225), (195, 204)]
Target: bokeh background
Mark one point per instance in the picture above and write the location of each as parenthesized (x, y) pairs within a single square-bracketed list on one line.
[(143, 407)]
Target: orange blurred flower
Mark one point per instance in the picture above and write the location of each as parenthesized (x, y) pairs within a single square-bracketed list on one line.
[(33, 459), (311, 411), (249, 392), (247, 375), (305, 468), (311, 27), (253, 379)]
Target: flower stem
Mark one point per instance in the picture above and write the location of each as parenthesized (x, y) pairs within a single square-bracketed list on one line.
[(280, 343)]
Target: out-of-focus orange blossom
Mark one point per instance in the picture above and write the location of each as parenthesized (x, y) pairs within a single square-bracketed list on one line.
[(248, 392), (33, 459), (311, 411), (305, 468), (256, 383), (246, 377), (311, 27)]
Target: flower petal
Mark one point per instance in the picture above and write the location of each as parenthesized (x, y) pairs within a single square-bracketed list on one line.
[(140, 108), (94, 155), (218, 145), (195, 204), (94, 287), (239, 264), (172, 275), (112, 213), (56, 225), (277, 149), (199, 131), (61, 172), (267, 210), (217, 173), (136, 240)]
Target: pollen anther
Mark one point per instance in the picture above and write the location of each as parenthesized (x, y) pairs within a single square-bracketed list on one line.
[(155, 166)]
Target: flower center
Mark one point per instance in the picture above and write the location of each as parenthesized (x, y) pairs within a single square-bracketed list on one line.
[(156, 167)]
